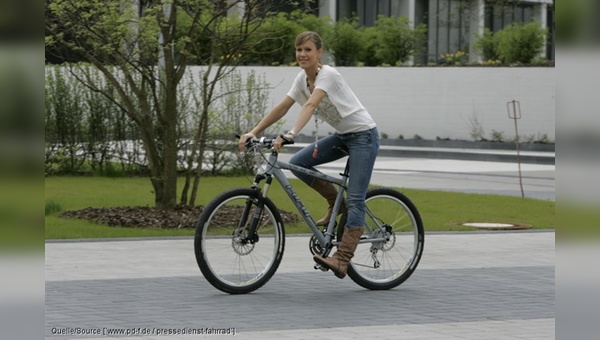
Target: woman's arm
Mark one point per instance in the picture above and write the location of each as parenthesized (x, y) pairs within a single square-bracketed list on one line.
[(308, 109), (305, 113), (273, 116)]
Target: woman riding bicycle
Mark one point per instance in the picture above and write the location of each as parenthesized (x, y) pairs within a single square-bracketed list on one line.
[(323, 92)]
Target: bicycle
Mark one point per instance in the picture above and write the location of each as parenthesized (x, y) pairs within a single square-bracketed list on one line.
[(240, 237)]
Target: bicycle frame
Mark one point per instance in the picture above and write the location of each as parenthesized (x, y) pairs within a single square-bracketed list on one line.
[(275, 167)]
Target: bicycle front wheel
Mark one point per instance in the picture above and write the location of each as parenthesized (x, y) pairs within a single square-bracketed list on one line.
[(227, 257), (387, 264)]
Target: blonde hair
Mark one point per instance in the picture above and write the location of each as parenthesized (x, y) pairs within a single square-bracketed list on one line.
[(309, 35)]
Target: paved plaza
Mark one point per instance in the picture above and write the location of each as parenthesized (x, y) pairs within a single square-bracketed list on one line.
[(469, 285)]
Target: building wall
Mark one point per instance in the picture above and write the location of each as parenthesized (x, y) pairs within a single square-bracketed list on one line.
[(439, 102)]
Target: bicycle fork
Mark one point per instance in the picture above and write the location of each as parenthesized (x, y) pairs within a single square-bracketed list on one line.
[(252, 237)]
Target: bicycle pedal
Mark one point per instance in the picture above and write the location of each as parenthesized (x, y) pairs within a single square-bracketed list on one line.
[(320, 267)]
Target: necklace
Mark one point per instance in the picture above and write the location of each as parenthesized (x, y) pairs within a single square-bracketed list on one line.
[(308, 83), (316, 113)]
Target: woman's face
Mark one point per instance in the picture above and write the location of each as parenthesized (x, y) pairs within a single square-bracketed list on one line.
[(307, 55)]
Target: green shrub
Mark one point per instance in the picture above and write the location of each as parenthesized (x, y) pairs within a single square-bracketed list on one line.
[(521, 43), (390, 42), (346, 42), (369, 57), (487, 45), (309, 22), (396, 40), (515, 44)]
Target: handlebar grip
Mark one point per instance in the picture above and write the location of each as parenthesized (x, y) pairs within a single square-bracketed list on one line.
[(286, 141), (249, 142)]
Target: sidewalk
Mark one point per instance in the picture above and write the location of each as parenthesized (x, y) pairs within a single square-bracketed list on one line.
[(467, 286)]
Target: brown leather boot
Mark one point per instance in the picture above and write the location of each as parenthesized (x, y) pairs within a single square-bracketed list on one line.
[(329, 192), (338, 263)]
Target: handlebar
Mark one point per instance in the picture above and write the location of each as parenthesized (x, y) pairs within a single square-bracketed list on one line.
[(265, 142)]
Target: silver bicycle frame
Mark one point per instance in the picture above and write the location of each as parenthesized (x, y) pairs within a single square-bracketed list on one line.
[(275, 167)]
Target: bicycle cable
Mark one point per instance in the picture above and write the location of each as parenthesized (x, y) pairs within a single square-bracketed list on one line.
[(257, 165)]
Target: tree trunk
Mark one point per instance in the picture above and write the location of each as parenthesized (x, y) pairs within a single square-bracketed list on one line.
[(168, 115), (208, 89), (170, 152)]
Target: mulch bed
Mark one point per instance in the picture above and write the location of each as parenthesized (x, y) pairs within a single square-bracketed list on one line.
[(150, 217)]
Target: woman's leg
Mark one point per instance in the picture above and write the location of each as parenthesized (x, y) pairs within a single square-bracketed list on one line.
[(363, 147), (326, 154)]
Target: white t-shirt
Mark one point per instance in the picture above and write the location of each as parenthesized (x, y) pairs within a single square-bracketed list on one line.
[(340, 108)]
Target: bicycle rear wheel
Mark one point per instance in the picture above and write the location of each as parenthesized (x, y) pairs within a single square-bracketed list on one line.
[(227, 258), (387, 264)]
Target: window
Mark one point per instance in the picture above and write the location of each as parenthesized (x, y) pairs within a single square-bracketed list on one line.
[(499, 16), (309, 6), (367, 11), (448, 27)]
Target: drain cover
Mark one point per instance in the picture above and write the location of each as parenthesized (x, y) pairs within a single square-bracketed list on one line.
[(497, 226)]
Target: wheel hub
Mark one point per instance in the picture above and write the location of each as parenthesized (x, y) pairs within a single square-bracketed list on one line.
[(387, 245), (241, 245)]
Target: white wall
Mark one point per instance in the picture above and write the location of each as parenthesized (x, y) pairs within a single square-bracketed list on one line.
[(439, 101)]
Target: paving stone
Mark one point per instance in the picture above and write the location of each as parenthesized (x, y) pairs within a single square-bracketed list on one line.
[(502, 292)]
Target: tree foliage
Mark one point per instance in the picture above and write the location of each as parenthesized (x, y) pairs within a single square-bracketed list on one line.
[(143, 52)]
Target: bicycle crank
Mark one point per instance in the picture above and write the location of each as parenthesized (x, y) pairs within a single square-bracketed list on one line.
[(314, 246)]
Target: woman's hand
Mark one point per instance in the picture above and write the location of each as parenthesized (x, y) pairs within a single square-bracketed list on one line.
[(279, 141), (244, 138)]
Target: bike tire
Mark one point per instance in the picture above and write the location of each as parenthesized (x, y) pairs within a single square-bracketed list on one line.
[(398, 258), (226, 261)]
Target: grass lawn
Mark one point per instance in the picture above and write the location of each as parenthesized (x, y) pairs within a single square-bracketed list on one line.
[(440, 211)]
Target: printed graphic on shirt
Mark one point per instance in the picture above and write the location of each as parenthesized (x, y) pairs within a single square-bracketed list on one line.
[(327, 112)]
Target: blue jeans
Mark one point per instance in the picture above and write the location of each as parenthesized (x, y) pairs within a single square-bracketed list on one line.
[(363, 147)]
